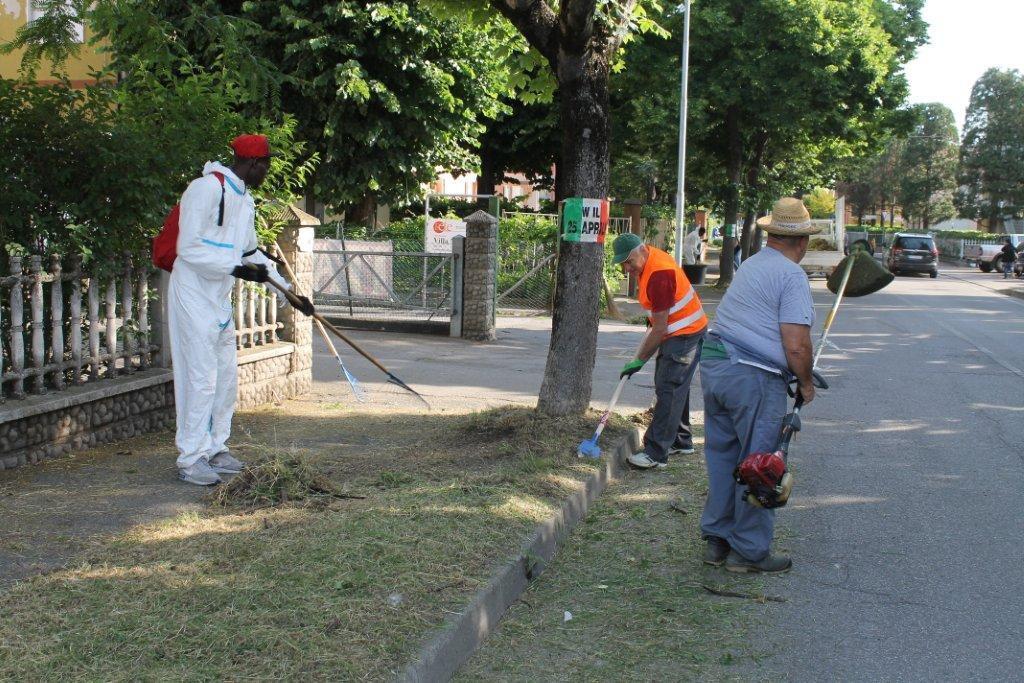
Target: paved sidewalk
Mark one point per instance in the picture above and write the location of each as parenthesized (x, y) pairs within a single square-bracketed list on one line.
[(994, 282)]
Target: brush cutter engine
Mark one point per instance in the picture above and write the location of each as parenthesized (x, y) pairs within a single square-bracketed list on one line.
[(768, 481)]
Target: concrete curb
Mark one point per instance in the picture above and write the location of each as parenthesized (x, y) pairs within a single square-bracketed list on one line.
[(463, 634)]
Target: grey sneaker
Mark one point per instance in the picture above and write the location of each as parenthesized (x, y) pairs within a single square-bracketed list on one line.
[(771, 564), (225, 463), (716, 551), (644, 462), (200, 474)]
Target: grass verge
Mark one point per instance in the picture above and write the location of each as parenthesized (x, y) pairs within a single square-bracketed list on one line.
[(638, 595), (420, 509)]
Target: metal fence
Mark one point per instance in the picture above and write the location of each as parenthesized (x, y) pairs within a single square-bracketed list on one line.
[(526, 275), (61, 326), (527, 269), (394, 280)]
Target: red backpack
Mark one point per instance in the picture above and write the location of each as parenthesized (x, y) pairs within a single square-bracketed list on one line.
[(165, 244)]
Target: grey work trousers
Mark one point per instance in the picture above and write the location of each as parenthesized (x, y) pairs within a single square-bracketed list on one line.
[(673, 373), (743, 412)]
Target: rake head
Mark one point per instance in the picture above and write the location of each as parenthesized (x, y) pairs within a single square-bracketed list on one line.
[(589, 449)]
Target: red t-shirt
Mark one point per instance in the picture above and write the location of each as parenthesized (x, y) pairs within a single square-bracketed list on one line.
[(661, 290)]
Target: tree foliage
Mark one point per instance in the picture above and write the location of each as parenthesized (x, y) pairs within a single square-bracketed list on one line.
[(783, 85), (992, 154), (927, 166), (820, 202), (387, 92), (94, 171)]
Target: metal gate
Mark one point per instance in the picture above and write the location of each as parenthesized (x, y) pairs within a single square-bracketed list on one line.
[(378, 282)]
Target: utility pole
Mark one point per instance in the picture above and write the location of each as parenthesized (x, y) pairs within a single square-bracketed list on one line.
[(681, 174)]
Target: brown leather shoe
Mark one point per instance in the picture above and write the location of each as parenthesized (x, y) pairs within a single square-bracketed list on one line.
[(716, 551), (771, 564)]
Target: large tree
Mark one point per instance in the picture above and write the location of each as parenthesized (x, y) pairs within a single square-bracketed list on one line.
[(578, 40), (776, 78), (992, 153), (927, 166)]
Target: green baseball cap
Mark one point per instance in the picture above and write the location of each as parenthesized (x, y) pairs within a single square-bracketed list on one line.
[(623, 245)]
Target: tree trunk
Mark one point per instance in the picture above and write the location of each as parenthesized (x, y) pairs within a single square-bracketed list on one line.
[(746, 241), (753, 175), (489, 163), (730, 215), (582, 172), (758, 238), (365, 211)]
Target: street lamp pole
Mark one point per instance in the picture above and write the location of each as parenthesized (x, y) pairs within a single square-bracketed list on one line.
[(681, 174)]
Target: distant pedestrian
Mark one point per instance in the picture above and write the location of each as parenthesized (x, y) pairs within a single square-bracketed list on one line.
[(693, 246), (760, 338), (677, 325), (1009, 255)]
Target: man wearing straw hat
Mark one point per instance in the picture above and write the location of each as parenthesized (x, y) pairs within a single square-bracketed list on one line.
[(759, 340)]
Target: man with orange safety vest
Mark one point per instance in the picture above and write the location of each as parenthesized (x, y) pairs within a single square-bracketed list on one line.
[(677, 326)]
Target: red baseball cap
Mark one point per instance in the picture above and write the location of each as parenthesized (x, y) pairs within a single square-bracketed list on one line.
[(251, 146)]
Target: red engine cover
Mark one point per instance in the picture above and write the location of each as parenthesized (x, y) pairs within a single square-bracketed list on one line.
[(761, 469)]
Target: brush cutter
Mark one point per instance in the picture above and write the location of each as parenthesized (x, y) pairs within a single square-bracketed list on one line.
[(859, 274), (768, 480)]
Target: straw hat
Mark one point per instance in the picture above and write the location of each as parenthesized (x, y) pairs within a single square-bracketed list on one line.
[(789, 217)]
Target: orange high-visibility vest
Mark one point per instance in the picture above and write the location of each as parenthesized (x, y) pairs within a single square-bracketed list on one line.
[(686, 316)]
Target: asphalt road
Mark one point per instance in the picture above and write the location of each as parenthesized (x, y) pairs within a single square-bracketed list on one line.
[(907, 524)]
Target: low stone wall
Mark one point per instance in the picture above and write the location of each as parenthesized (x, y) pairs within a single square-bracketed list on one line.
[(272, 374), (48, 426), (53, 425)]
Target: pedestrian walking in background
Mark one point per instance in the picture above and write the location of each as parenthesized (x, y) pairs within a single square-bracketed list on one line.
[(1009, 255), (760, 339), (677, 325), (216, 244)]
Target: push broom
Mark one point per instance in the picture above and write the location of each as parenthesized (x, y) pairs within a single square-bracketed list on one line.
[(589, 448)]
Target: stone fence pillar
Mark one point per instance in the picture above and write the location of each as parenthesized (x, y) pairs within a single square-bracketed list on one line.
[(296, 244), (479, 277)]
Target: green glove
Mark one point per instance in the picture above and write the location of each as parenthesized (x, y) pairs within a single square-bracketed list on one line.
[(632, 367)]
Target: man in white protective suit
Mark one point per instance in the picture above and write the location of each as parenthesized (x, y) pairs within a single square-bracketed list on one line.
[(216, 243)]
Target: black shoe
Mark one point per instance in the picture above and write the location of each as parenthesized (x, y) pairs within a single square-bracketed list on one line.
[(771, 564), (716, 551)]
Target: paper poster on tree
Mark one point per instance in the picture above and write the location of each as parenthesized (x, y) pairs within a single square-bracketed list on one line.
[(584, 220)]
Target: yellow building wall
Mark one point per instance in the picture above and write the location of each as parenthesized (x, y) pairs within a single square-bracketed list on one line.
[(13, 15)]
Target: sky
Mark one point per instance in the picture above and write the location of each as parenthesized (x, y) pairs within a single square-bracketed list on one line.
[(965, 40)]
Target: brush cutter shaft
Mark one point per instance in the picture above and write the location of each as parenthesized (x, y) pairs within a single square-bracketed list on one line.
[(830, 318)]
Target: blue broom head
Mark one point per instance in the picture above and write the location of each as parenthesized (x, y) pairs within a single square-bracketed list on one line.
[(589, 449)]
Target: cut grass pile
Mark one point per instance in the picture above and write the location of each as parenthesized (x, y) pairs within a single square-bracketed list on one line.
[(283, 479), (264, 589), (632, 580)]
